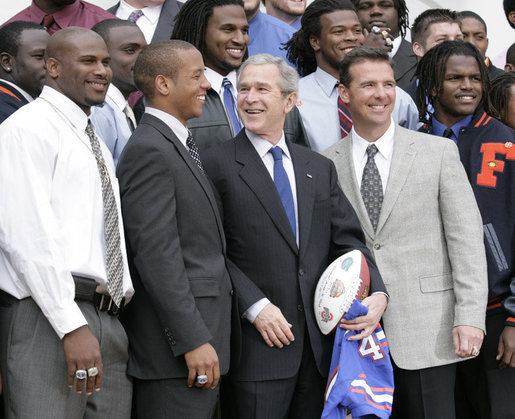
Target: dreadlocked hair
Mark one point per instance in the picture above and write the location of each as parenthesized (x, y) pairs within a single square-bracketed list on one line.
[(299, 50), (191, 21), (402, 14), (500, 95), (431, 74)]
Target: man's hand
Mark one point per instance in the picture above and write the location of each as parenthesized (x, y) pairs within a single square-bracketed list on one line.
[(273, 327), (377, 40), (82, 351), (465, 338), (203, 360), (506, 348), (376, 304)]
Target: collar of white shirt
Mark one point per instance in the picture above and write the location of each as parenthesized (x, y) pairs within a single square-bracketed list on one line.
[(216, 80), (395, 46), (151, 12), (67, 108), (384, 144), (23, 92), (175, 125), (116, 97), (263, 146), (326, 82)]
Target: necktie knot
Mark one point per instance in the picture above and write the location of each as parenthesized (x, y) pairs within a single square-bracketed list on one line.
[(135, 15), (226, 83), (47, 21), (372, 151), (277, 152), (448, 133)]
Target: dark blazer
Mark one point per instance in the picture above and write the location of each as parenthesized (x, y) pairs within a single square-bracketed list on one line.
[(176, 252), (213, 126), (10, 100), (261, 244), (166, 20), (405, 64)]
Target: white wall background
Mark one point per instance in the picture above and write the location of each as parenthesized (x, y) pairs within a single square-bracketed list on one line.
[(500, 33)]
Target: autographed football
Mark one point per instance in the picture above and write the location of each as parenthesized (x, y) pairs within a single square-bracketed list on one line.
[(344, 280)]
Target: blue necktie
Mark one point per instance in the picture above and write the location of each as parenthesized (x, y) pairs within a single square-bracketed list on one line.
[(230, 107), (282, 184)]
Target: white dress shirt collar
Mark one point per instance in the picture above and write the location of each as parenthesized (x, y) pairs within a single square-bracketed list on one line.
[(216, 80), (384, 143), (395, 46), (263, 146), (116, 97), (150, 12), (67, 108), (23, 92), (326, 82), (175, 125)]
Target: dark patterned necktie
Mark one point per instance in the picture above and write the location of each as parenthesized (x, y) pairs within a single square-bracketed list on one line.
[(193, 149), (448, 133), (371, 187), (135, 15), (344, 116), (114, 259)]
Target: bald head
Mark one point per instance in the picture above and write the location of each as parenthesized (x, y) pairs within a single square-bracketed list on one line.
[(77, 64)]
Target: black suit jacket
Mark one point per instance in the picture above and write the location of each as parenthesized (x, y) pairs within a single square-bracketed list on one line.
[(213, 128), (260, 242), (405, 64), (10, 100), (176, 252), (166, 20)]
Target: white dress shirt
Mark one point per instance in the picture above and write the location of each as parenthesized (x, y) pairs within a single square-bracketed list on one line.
[(263, 147), (318, 106), (180, 131), (383, 158), (147, 22), (395, 46), (23, 92), (52, 215)]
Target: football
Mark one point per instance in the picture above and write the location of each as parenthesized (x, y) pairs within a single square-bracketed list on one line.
[(344, 280)]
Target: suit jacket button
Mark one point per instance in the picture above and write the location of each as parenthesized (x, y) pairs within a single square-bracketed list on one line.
[(300, 308), (377, 246), (231, 293), (301, 272)]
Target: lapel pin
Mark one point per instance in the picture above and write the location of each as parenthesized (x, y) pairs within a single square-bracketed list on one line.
[(309, 176), (508, 144)]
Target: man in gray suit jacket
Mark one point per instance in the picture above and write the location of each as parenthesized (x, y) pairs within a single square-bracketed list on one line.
[(423, 226), (179, 322), (159, 29)]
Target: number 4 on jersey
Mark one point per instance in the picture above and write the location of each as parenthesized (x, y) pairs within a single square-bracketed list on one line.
[(370, 347)]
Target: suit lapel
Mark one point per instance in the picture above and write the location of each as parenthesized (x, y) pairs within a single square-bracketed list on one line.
[(166, 22), (402, 159), (167, 132), (257, 178)]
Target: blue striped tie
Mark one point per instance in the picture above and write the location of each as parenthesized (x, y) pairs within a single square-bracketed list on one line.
[(230, 107)]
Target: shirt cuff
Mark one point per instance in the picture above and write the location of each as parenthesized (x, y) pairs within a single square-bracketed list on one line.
[(67, 320), (254, 310)]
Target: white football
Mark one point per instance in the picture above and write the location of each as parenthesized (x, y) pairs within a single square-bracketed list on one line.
[(344, 280)]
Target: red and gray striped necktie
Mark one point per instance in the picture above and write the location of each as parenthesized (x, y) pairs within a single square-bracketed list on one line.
[(344, 116)]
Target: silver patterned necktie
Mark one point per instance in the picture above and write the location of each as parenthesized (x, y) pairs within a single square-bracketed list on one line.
[(372, 187), (114, 259), (193, 149)]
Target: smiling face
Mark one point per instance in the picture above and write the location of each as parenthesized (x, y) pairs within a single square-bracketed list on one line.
[(381, 13), (475, 33), (340, 32), (261, 104), (461, 91), (188, 89), (28, 66), (226, 38), (80, 69), (370, 97), (124, 45)]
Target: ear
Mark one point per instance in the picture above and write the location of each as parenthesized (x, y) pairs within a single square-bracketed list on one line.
[(53, 67), (315, 43), (163, 85), (418, 49), (508, 67), (291, 100), (344, 93), (6, 61)]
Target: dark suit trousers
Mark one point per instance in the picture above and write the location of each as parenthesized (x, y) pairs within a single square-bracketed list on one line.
[(298, 397), (424, 394), (483, 391)]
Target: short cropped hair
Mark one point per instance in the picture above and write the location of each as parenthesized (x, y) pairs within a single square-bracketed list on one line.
[(469, 14), (103, 27), (10, 35), (288, 76), (425, 19), (359, 55), (158, 58)]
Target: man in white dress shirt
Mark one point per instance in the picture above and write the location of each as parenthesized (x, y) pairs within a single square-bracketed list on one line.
[(63, 270), (114, 120)]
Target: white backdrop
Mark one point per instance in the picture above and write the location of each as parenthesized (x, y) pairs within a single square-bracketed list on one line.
[(500, 33)]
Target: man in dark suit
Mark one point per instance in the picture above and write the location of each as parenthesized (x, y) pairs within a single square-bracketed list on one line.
[(281, 242), (22, 67), (179, 322), (157, 17)]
